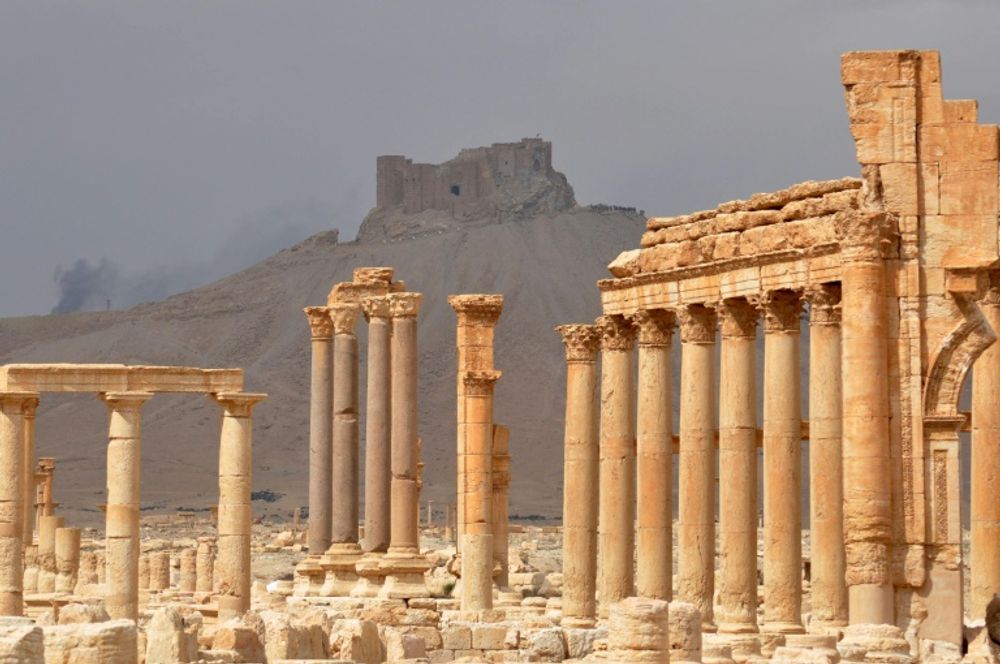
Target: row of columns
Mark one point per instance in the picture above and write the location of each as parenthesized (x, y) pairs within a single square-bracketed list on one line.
[(631, 454)]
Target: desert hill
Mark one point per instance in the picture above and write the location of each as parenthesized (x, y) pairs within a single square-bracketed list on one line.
[(545, 264)]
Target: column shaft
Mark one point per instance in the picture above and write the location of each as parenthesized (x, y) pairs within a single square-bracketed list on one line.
[(378, 470), (28, 486), (67, 559), (12, 409), (232, 568), (738, 468), (617, 462), (344, 529), (405, 494), (696, 496), (782, 464), (47, 553), (985, 508), (826, 490), (500, 474), (320, 429)]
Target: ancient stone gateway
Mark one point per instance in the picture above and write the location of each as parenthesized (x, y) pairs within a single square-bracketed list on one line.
[(124, 389), (899, 275)]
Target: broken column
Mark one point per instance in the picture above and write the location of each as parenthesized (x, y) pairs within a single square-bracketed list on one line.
[(639, 631), (501, 506), (403, 564), (616, 501), (159, 570), (696, 494), (189, 570), (67, 559), (44, 475), (235, 514), (826, 490), (320, 429), (12, 408), (580, 476), (477, 545), (378, 471), (654, 466), (205, 564), (344, 552), (122, 514), (143, 571), (738, 467), (782, 463), (47, 553)]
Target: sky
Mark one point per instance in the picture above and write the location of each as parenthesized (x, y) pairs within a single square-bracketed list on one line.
[(160, 145)]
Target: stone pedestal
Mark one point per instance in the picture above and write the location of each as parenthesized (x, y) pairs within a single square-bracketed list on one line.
[(320, 429), (232, 569), (826, 490), (616, 501), (654, 467), (67, 559), (13, 406), (122, 515), (737, 612), (378, 452), (782, 463), (696, 495)]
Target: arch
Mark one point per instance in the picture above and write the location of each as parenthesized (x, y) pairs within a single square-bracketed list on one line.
[(956, 354)]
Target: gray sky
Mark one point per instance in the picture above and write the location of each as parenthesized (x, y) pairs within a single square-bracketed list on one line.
[(182, 140)]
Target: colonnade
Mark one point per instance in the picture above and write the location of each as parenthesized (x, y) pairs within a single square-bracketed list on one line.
[(628, 448)]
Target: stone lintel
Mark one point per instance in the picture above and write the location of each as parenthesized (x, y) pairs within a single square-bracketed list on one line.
[(117, 378)]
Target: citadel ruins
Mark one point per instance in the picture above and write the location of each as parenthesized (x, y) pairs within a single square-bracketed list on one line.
[(896, 276)]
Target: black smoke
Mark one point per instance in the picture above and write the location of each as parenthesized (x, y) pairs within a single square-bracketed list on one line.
[(85, 286)]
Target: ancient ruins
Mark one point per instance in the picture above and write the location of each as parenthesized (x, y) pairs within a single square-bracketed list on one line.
[(885, 287)]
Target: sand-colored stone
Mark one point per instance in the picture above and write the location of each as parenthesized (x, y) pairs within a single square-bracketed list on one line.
[(159, 570), (205, 565), (12, 412), (67, 559), (320, 428), (378, 470), (188, 581)]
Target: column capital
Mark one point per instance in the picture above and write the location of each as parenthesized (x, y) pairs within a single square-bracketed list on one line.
[(20, 400), (320, 325), (477, 308), (738, 318), (480, 383), (404, 305), (697, 323), (125, 400), (30, 406), (345, 317), (617, 333), (581, 341), (782, 311), (824, 304), (238, 404), (655, 326), (863, 235), (376, 306)]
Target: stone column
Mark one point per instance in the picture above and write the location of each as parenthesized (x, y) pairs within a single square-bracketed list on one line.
[(616, 501), (205, 564), (826, 482), (122, 514), (189, 570), (47, 553), (67, 559), (30, 569), (696, 495), (782, 463), (403, 564), (477, 549), (28, 504), (44, 475), (984, 507), (235, 513), (87, 571), (738, 468), (501, 506), (320, 429), (378, 470), (159, 570), (654, 467), (867, 478), (12, 410), (477, 316), (143, 571), (340, 559)]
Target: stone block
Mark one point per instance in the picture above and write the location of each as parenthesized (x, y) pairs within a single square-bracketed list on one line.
[(489, 636), (456, 637), (21, 642), (112, 642), (545, 645)]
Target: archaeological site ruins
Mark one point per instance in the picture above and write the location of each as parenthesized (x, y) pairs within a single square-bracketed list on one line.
[(822, 335)]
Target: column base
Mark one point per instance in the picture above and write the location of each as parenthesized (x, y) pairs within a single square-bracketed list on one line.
[(404, 571), (874, 643), (743, 646), (309, 577), (578, 622), (371, 578), (783, 627), (339, 563)]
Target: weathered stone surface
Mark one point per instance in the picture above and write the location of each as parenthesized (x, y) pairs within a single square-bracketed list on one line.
[(111, 642)]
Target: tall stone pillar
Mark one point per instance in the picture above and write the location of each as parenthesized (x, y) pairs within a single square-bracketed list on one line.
[(403, 564), (232, 568), (696, 522), (477, 549), (500, 474), (782, 463), (67, 559), (340, 559), (580, 468), (28, 487), (477, 316), (826, 463), (738, 467), (985, 508), (654, 466), (616, 501), (867, 478), (12, 410), (378, 470), (122, 514), (320, 429)]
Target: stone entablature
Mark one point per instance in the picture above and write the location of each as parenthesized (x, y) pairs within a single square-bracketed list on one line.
[(117, 378)]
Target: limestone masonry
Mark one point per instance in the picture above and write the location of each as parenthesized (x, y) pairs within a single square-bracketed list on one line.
[(897, 275)]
